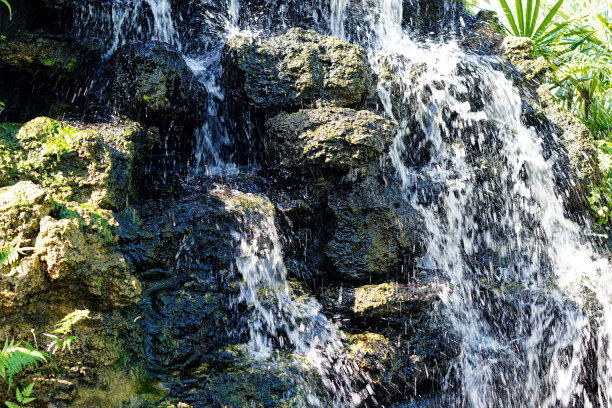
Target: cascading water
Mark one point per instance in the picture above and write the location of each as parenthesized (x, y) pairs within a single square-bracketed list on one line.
[(278, 320), (121, 22), (520, 271), (278, 317)]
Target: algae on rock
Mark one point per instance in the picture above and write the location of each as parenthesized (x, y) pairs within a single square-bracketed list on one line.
[(300, 68), (320, 140)]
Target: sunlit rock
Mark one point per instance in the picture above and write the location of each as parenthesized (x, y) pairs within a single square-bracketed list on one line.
[(319, 140), (77, 162), (300, 68)]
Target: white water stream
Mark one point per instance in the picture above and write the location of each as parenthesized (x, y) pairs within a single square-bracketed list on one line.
[(521, 273)]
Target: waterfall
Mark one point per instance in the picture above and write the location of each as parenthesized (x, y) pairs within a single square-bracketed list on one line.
[(521, 273), (278, 319), (121, 22)]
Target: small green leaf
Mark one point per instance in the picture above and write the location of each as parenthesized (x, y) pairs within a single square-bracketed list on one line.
[(9, 8)]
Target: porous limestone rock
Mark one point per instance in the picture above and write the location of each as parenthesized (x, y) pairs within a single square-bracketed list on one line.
[(324, 139), (297, 69)]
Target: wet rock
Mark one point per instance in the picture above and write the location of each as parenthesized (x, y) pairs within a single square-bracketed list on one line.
[(41, 70), (153, 83), (426, 15), (383, 300), (374, 229), (97, 163), (300, 68), (48, 56), (327, 139), (485, 33)]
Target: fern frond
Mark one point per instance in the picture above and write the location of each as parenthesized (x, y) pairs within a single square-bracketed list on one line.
[(7, 255), (64, 326), (15, 358)]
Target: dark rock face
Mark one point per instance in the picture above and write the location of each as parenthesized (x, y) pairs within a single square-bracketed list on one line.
[(300, 68), (43, 73), (426, 15), (375, 228), (153, 83)]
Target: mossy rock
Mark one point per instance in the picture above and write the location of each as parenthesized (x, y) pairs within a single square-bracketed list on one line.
[(386, 300), (61, 246), (300, 68), (316, 141), (153, 83), (44, 55), (77, 162)]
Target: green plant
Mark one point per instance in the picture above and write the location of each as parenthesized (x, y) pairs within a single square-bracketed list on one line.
[(9, 8), (525, 22), (10, 255), (23, 397), (16, 357), (60, 336)]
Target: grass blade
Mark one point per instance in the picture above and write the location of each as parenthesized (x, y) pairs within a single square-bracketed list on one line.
[(9, 7), (510, 17)]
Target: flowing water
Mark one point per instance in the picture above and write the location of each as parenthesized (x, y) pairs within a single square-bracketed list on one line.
[(281, 318), (522, 274), (529, 298)]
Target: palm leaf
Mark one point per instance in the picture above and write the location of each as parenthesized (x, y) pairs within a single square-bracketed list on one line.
[(534, 19), (9, 7), (520, 16), (528, 19), (547, 20), (510, 17)]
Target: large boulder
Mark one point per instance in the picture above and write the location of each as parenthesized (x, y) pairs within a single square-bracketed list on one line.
[(96, 163), (153, 83), (327, 139), (375, 229), (300, 68)]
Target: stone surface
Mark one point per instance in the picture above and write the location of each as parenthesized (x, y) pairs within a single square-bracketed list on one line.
[(374, 230), (327, 139), (297, 69), (153, 83), (94, 163), (59, 246), (49, 56)]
